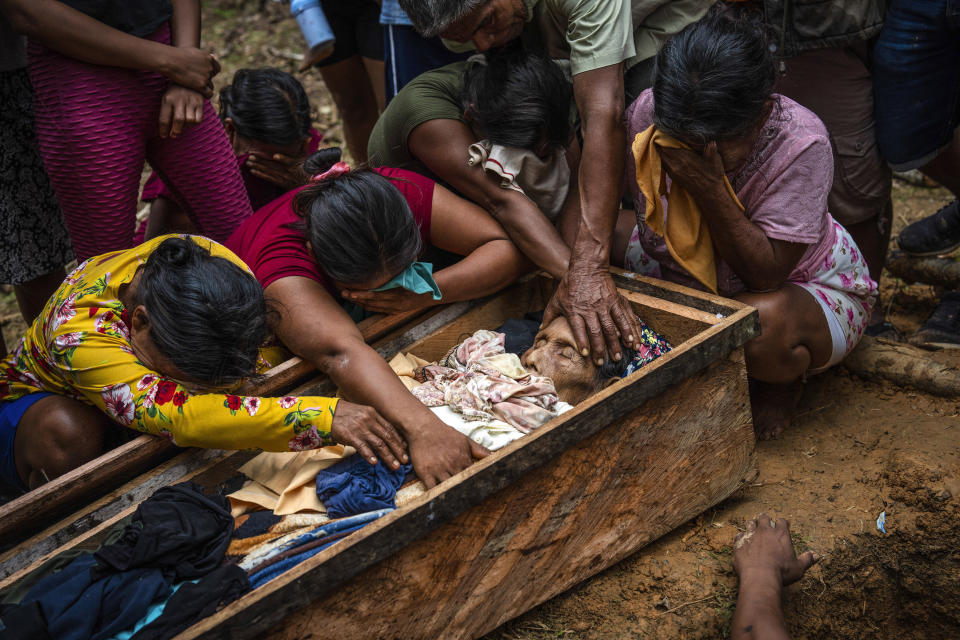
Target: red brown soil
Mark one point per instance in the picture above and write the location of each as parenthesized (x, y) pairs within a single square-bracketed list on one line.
[(853, 450), (856, 449)]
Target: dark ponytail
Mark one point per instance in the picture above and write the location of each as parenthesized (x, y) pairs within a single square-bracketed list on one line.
[(712, 80), (207, 315), (359, 225), (267, 105)]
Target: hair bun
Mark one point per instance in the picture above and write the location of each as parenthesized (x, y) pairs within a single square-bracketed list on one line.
[(177, 252), (321, 160)]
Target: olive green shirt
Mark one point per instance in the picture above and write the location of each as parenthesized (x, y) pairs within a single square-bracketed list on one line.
[(434, 95)]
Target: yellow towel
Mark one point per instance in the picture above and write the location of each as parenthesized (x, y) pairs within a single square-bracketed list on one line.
[(686, 232), (285, 483)]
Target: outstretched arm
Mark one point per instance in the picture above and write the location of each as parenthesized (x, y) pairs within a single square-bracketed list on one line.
[(77, 35), (599, 317), (442, 146), (765, 561), (313, 326)]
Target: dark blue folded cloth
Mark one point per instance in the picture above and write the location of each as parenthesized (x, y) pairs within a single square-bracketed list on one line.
[(79, 606), (355, 486)]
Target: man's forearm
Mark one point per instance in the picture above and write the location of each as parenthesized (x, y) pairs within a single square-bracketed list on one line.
[(600, 178), (78, 36), (533, 234)]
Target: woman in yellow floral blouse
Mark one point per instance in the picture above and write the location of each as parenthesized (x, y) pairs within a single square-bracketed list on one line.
[(145, 337)]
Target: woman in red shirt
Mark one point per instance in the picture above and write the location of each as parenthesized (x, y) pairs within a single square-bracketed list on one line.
[(348, 233)]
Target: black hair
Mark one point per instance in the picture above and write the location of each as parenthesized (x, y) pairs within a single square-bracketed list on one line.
[(207, 314), (613, 369), (359, 225), (266, 105), (712, 81), (322, 159), (517, 98)]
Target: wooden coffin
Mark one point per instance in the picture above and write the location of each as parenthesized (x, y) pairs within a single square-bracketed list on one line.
[(542, 514)]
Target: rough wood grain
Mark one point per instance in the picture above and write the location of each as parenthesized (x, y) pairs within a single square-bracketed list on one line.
[(671, 292), (902, 364), (93, 514), (206, 467), (942, 272), (328, 572)]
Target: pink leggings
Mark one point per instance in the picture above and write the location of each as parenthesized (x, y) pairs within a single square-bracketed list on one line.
[(96, 126)]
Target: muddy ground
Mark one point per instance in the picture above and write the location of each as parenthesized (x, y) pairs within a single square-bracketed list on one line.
[(855, 449)]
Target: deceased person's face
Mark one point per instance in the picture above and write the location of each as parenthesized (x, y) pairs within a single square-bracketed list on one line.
[(554, 354)]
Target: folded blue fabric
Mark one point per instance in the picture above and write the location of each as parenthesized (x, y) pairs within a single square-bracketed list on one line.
[(328, 529), (418, 278), (269, 573), (355, 486)]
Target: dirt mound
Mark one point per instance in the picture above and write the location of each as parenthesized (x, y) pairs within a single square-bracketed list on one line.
[(905, 584)]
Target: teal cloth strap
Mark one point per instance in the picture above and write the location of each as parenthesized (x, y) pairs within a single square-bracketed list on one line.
[(418, 278)]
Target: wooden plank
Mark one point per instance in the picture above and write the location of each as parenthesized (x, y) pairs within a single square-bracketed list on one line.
[(193, 465), (671, 292), (330, 570), (96, 533), (665, 306), (673, 321), (54, 537), (21, 516)]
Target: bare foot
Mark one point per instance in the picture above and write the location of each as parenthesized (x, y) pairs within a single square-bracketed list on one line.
[(773, 405)]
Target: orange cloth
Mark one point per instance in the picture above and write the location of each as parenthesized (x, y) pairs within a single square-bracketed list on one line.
[(685, 231)]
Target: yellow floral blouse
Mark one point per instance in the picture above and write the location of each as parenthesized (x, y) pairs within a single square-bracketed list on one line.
[(79, 346)]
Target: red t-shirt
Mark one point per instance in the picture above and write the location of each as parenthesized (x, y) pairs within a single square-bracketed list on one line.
[(273, 250)]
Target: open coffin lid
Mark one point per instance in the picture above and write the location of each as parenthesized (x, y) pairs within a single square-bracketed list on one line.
[(588, 488)]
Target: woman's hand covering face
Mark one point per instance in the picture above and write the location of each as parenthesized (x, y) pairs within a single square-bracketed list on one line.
[(391, 301), (697, 173), (285, 171)]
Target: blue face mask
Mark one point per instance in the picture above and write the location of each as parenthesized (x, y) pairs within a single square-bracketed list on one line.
[(418, 278)]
